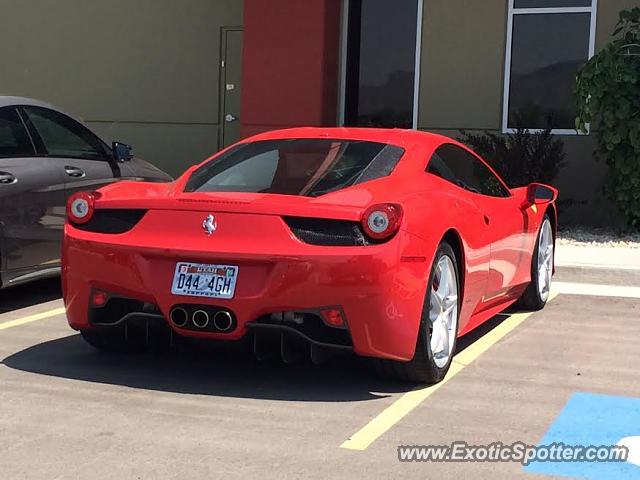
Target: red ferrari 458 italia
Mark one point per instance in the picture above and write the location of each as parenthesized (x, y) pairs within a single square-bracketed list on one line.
[(387, 243)]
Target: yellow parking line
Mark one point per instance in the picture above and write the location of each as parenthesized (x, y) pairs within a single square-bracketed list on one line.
[(410, 400), (32, 318)]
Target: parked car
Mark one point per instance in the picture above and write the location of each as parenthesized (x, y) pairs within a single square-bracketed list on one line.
[(389, 244), (45, 157)]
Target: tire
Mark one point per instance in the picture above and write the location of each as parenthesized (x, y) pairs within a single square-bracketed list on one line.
[(112, 340), (536, 295), (424, 367)]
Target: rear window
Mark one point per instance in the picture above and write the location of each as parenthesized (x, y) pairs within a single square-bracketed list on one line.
[(305, 167)]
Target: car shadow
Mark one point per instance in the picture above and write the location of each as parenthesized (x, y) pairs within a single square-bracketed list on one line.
[(31, 294), (228, 371), (481, 330)]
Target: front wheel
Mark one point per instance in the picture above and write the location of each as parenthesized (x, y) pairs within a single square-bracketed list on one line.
[(438, 332), (537, 293)]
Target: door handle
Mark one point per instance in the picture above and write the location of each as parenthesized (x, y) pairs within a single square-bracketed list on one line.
[(74, 171), (230, 118), (487, 220), (7, 178)]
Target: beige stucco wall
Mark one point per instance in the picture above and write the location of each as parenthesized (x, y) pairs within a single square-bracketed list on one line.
[(144, 71), (462, 64), (461, 86)]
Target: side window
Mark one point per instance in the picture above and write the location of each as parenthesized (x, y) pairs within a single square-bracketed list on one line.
[(64, 137), (458, 166), (14, 139)]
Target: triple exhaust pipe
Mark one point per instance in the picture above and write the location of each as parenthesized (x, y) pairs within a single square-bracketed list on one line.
[(222, 320)]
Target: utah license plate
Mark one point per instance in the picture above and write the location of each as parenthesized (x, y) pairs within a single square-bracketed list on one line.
[(204, 280)]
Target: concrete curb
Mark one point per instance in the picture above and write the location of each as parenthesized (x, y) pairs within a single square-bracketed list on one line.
[(608, 258), (599, 275)]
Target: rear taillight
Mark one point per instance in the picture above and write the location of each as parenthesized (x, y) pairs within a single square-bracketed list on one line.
[(80, 207), (382, 221)]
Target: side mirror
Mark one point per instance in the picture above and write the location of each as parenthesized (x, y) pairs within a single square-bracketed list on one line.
[(540, 194), (121, 152)]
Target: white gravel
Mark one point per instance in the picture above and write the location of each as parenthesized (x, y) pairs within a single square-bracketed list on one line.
[(597, 237)]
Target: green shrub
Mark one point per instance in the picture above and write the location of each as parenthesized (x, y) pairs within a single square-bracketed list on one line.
[(521, 157), (608, 96)]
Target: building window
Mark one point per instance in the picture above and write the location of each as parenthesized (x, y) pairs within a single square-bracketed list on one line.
[(548, 41), (380, 71)]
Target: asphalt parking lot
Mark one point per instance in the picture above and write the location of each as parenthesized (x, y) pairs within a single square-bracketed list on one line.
[(71, 412)]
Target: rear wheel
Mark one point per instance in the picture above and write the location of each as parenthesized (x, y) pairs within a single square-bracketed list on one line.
[(537, 293), (438, 325)]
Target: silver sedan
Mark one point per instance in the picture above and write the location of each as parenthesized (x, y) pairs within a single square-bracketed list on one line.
[(45, 156)]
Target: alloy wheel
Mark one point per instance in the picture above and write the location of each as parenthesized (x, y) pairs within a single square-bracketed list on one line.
[(443, 311), (545, 260)]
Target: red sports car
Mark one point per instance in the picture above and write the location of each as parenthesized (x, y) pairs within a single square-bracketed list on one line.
[(387, 243)]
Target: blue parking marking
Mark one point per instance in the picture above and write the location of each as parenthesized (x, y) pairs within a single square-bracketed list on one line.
[(590, 419)]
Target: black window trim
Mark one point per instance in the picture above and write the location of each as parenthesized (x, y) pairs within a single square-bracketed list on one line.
[(40, 148), (478, 158)]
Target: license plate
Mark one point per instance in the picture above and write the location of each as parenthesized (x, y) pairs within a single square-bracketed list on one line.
[(204, 280)]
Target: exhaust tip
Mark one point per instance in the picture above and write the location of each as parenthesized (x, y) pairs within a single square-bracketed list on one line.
[(200, 319), (223, 321), (179, 317)]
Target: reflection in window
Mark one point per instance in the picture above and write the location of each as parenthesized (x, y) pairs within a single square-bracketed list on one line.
[(304, 167), (459, 167), (64, 137), (381, 63), (547, 50)]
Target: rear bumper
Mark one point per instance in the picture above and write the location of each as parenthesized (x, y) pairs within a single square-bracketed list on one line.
[(379, 288)]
